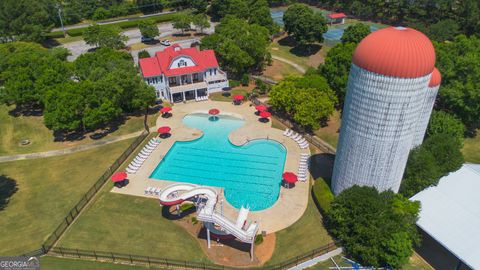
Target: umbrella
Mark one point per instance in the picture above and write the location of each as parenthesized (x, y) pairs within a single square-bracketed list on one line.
[(164, 129), (289, 177), (261, 108), (119, 176), (213, 111), (265, 114), (165, 109), (238, 97)]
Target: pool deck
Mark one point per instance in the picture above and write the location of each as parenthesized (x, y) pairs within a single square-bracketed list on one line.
[(291, 203)]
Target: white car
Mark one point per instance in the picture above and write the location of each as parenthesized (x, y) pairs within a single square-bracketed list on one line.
[(165, 42)]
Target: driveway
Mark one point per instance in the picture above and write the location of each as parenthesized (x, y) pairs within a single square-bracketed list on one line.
[(166, 29)]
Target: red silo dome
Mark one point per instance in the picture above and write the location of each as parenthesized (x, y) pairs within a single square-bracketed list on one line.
[(397, 52), (436, 78)]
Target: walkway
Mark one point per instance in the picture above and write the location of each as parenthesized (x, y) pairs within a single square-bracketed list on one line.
[(291, 63), (69, 150), (318, 259)]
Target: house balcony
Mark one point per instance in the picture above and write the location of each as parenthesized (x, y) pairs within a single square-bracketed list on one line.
[(187, 87)]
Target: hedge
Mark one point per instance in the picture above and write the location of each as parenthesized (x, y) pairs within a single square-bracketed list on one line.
[(322, 194)]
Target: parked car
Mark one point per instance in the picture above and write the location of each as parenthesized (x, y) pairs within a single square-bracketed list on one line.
[(165, 42), (147, 39)]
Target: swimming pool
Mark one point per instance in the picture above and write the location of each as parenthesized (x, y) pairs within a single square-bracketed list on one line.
[(250, 174)]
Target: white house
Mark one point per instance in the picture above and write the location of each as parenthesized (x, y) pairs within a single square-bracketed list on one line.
[(180, 74)]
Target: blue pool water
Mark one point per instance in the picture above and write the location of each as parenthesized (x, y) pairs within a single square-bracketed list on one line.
[(250, 174)]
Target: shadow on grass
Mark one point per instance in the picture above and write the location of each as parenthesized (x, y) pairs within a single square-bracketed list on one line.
[(26, 110), (302, 50), (321, 165), (8, 187), (170, 212), (245, 247)]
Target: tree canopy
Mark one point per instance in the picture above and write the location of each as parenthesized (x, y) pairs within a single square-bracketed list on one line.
[(182, 22), (148, 28), (444, 123), (355, 33), (304, 25), (308, 100), (105, 36), (376, 229), (201, 21), (336, 68), (239, 46), (459, 64)]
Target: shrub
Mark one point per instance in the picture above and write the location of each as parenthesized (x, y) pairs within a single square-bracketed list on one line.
[(245, 79), (258, 239), (143, 54), (186, 206), (322, 194), (56, 34), (234, 83), (194, 220)]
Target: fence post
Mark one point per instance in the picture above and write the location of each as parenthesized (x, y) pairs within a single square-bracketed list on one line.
[(113, 257), (148, 259), (131, 260), (61, 252), (78, 254)]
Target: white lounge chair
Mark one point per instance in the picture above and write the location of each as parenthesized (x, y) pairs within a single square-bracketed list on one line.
[(157, 191), (299, 139), (133, 167), (130, 171), (304, 146), (153, 145), (147, 190), (296, 136), (142, 155), (149, 147), (305, 155), (139, 160), (287, 132), (146, 151), (136, 164)]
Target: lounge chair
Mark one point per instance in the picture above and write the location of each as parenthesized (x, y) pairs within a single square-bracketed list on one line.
[(153, 145), (302, 141), (299, 139), (147, 190), (146, 151), (142, 155), (149, 147), (287, 132), (296, 136), (130, 171), (136, 164), (305, 155), (157, 191), (139, 159), (304, 146)]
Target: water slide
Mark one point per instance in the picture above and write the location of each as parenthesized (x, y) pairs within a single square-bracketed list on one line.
[(178, 193)]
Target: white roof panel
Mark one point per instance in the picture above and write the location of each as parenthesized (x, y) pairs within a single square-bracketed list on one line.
[(451, 213)]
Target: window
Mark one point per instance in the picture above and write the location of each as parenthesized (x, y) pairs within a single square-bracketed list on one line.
[(195, 76), (182, 63)]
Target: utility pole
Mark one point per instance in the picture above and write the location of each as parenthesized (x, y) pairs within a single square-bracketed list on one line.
[(60, 17)]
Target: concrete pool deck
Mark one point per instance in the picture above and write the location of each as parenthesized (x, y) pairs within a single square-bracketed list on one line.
[(291, 203)]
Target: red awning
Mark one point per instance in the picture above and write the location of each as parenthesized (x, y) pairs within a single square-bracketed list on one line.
[(213, 111), (261, 108), (265, 114), (289, 177), (163, 130), (119, 176), (165, 109), (238, 97)]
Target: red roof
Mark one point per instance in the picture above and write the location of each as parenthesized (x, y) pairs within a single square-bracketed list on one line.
[(337, 15), (436, 78), (397, 52), (160, 63)]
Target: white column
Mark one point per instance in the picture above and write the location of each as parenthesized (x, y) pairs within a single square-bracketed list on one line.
[(208, 238), (191, 78), (183, 95)]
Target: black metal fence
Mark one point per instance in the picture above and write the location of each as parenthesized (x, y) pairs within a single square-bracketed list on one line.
[(178, 264), (73, 213)]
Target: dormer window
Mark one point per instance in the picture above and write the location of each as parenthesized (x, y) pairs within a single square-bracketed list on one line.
[(182, 63)]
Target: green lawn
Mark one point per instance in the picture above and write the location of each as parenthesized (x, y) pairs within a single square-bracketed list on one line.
[(330, 133), (305, 235), (56, 263), (47, 189), (15, 129), (471, 149), (236, 91)]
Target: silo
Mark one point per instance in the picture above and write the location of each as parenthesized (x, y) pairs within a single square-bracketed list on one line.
[(427, 106), (391, 69)]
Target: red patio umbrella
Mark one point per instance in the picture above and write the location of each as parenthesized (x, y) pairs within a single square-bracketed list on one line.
[(289, 177), (119, 176), (265, 114), (261, 108), (214, 111), (165, 109), (238, 97), (164, 129)]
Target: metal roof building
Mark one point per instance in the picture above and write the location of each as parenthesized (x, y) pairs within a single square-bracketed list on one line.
[(450, 214)]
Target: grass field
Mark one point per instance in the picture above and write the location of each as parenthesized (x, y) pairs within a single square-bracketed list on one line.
[(471, 149), (279, 70), (47, 189), (286, 51), (237, 91), (56, 263), (331, 132), (14, 129), (305, 235)]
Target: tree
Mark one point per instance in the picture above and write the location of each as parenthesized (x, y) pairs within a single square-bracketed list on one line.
[(447, 152), (200, 6), (303, 24), (182, 22), (26, 20), (376, 229), (444, 123), (421, 172), (459, 63), (443, 30), (336, 68), (239, 46), (308, 100), (259, 13), (221, 8), (201, 21), (150, 6), (105, 36), (355, 33), (148, 29)]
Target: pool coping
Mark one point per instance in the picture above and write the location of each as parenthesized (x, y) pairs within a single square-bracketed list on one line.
[(291, 203)]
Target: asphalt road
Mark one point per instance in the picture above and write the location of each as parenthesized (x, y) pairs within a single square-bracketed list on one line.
[(76, 48)]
